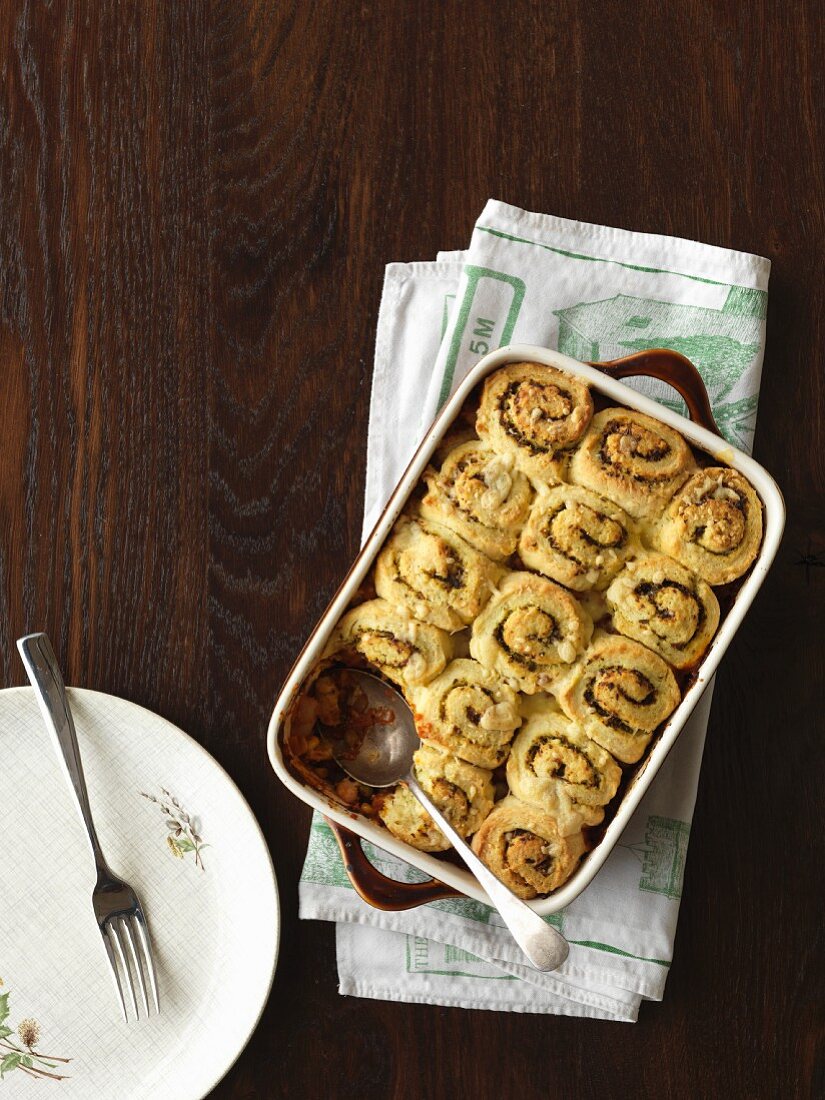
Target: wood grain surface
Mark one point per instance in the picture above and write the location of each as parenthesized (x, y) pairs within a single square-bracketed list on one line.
[(196, 204)]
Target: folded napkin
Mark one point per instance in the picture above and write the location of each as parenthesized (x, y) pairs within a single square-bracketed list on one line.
[(593, 293)]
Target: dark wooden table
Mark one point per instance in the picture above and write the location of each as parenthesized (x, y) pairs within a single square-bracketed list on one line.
[(196, 204)]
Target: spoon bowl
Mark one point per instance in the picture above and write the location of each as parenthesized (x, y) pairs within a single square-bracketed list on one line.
[(385, 755)]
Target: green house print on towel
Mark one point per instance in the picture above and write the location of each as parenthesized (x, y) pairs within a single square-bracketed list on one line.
[(662, 856), (723, 344)]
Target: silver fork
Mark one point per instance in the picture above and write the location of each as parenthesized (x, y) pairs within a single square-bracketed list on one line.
[(116, 907)]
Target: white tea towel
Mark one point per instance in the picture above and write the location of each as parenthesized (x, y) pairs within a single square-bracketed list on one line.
[(594, 293)]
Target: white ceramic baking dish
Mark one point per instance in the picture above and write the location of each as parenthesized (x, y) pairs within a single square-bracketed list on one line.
[(450, 879)]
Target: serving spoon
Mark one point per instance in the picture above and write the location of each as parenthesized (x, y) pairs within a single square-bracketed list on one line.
[(384, 758)]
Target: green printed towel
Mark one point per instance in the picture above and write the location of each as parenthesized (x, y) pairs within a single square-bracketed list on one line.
[(593, 293)]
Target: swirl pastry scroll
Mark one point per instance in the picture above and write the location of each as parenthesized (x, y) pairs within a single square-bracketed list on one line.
[(620, 692), (665, 607), (469, 711), (522, 846), (404, 650), (554, 765), (534, 413), (434, 573), (531, 631), (462, 792), (713, 525), (633, 460), (480, 495), (577, 537)]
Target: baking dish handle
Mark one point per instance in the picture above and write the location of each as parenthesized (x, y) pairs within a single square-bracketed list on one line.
[(674, 369), (376, 888)]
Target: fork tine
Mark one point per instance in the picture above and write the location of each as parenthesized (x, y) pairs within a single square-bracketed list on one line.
[(118, 946), (130, 940), (118, 988), (147, 955)]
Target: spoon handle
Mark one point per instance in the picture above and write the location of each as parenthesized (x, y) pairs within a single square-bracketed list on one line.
[(541, 943)]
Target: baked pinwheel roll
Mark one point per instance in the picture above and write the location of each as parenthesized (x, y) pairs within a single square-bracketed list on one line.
[(531, 631), (713, 525), (577, 537), (404, 650), (434, 573), (462, 792), (633, 460), (620, 692), (480, 495), (407, 820), (554, 765), (469, 711), (522, 846), (536, 414), (665, 607)]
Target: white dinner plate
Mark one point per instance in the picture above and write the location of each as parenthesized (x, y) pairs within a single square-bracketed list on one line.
[(208, 890)]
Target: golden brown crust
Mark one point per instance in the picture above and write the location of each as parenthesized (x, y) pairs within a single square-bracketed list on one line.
[(577, 538), (713, 525), (400, 647), (620, 692), (522, 846), (659, 603), (531, 632), (536, 414), (633, 460), (470, 711), (433, 573), (554, 765), (408, 821), (480, 495)]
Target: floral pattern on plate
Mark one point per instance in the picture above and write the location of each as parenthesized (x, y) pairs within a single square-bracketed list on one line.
[(17, 1047), (184, 835)]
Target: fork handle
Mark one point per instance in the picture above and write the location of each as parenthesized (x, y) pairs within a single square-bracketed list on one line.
[(43, 671)]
